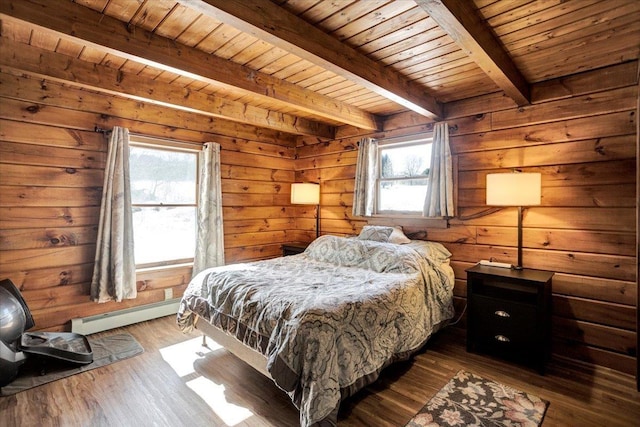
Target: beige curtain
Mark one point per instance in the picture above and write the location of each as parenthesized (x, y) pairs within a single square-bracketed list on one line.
[(439, 199), (210, 233), (366, 175), (114, 271)]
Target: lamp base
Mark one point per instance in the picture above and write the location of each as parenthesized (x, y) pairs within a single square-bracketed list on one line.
[(517, 267)]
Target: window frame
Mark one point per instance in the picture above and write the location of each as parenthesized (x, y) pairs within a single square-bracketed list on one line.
[(413, 140), (161, 144)]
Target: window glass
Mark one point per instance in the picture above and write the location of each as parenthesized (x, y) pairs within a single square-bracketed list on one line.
[(161, 176), (163, 234), (164, 203), (405, 161), (404, 173)]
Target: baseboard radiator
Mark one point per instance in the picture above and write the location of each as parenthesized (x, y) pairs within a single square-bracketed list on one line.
[(128, 316)]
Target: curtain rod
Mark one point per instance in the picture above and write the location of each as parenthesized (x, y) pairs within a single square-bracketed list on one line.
[(101, 130)]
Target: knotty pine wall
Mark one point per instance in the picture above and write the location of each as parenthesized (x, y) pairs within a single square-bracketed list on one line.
[(580, 134), (51, 175)]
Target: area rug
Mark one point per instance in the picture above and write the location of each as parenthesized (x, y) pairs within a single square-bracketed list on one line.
[(470, 400), (106, 350)]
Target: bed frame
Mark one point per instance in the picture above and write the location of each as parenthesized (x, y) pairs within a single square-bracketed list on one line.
[(248, 355)]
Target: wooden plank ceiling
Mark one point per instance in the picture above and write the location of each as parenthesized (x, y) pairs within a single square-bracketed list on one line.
[(307, 66)]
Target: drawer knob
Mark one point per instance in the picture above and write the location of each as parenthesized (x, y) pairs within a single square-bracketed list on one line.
[(502, 338), (501, 313)]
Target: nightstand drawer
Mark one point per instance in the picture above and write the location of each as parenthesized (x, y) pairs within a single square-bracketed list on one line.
[(503, 321), (511, 347)]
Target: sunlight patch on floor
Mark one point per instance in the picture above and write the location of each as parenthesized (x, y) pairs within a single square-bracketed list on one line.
[(213, 395), (182, 356)]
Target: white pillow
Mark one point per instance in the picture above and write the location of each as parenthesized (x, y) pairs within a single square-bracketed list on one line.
[(397, 236)]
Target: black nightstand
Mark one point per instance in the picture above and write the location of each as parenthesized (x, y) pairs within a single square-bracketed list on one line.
[(293, 248), (509, 313)]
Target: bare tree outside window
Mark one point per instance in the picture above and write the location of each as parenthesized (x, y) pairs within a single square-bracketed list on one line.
[(412, 166)]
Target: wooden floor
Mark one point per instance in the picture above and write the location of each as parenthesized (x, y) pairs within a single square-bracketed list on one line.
[(177, 382)]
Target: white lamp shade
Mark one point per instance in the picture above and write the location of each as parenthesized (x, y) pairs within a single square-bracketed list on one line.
[(513, 189), (303, 193)]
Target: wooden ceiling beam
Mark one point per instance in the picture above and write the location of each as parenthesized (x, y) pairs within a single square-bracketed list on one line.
[(100, 78), (137, 44), (463, 23), (267, 21), (59, 105)]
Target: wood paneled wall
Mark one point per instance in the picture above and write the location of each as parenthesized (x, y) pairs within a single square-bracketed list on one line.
[(580, 134), (51, 173)]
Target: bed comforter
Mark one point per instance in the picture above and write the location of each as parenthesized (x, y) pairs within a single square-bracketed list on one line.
[(330, 319)]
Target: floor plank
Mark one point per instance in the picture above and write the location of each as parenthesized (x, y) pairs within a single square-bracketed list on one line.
[(177, 382)]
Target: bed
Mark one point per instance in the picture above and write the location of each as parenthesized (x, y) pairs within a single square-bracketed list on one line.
[(324, 323)]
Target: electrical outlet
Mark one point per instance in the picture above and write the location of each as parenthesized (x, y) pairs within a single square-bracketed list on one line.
[(168, 293)]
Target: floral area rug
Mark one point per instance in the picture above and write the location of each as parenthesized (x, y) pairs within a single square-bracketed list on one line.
[(470, 400)]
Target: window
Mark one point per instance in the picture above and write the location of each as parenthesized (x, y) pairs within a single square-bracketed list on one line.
[(403, 176), (164, 203)]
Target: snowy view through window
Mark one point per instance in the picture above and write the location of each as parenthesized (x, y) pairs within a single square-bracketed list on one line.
[(163, 195), (404, 170)]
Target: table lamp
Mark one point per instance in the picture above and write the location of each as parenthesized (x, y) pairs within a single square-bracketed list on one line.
[(307, 193), (514, 189)]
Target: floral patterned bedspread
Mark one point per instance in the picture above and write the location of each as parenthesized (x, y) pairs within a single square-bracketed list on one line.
[(330, 319)]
